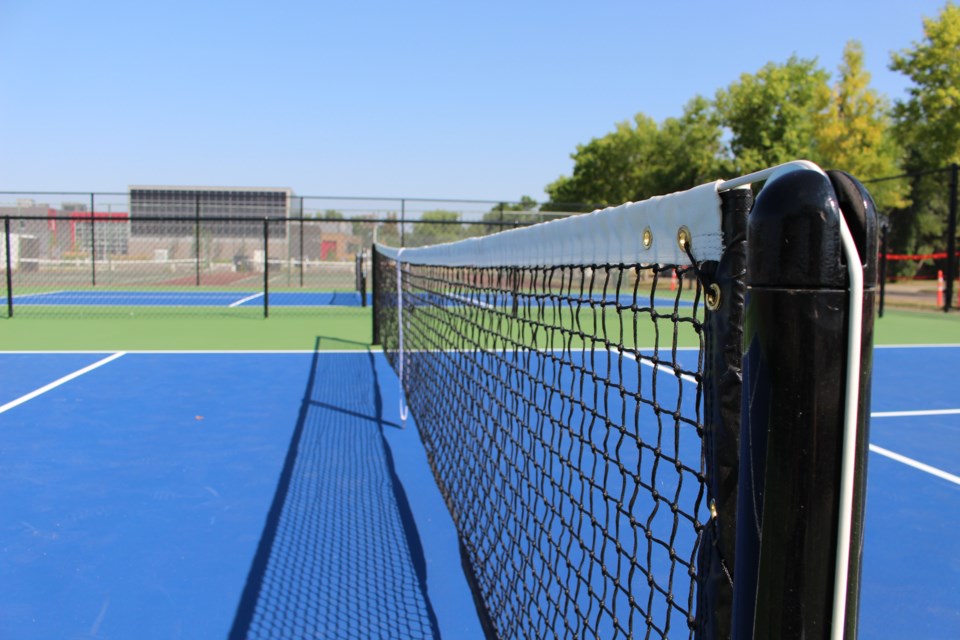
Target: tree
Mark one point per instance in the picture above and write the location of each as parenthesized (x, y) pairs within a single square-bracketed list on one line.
[(607, 170), (435, 227), (854, 132), (927, 125), (386, 233), (637, 162), (689, 150), (771, 115), (929, 120), (510, 213)]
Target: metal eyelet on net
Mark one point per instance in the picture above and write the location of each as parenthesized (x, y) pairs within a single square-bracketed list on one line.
[(647, 238), (711, 296)]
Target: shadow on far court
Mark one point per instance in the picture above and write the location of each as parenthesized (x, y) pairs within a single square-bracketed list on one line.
[(339, 555)]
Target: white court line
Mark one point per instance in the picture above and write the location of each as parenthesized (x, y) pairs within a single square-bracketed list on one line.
[(915, 346), (471, 302), (910, 462), (21, 296), (654, 365), (183, 351), (57, 383), (247, 299), (906, 414)]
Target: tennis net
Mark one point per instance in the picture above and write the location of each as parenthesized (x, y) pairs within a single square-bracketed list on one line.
[(577, 386)]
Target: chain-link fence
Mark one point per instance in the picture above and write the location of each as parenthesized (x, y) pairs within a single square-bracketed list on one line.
[(919, 258), (204, 251)]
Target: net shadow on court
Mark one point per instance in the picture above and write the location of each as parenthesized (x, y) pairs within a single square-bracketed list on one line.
[(339, 555)]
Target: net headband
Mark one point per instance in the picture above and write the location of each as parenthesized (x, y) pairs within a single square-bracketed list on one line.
[(636, 232)]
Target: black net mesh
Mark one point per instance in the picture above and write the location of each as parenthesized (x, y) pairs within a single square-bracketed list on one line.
[(561, 411)]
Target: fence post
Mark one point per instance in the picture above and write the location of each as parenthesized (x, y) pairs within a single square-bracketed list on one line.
[(93, 242), (883, 269), (375, 293), (301, 241), (403, 218), (266, 268), (6, 240), (196, 232), (952, 237)]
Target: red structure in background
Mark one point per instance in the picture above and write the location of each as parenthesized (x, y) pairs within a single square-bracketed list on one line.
[(85, 217)]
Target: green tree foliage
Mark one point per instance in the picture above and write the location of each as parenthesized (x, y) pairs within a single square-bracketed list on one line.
[(689, 150), (386, 233), (791, 110), (928, 122), (771, 115), (438, 226), (510, 213), (927, 125), (853, 131), (635, 162), (608, 170)]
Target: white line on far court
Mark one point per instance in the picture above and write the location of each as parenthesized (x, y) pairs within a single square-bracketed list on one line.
[(658, 366), (910, 462), (247, 299), (907, 414), (57, 383)]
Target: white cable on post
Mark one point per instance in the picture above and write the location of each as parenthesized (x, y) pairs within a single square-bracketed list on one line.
[(848, 466), (403, 405)]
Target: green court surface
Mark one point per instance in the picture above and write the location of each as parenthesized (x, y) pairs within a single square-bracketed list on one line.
[(334, 330), (917, 327), (337, 329)]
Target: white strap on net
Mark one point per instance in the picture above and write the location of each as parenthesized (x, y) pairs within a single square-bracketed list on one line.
[(403, 405)]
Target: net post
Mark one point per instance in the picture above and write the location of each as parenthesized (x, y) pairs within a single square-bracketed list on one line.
[(266, 267), (794, 402), (361, 279), (952, 237), (9, 261), (723, 356)]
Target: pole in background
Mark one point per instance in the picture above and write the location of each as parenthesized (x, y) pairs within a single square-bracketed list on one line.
[(952, 238), (6, 240), (374, 293), (403, 218), (196, 232), (301, 241), (93, 243), (266, 268), (883, 269)]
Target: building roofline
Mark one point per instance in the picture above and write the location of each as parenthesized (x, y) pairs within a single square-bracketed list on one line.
[(288, 191)]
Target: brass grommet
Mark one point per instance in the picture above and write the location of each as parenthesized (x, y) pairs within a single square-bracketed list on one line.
[(647, 238), (683, 238), (712, 297)]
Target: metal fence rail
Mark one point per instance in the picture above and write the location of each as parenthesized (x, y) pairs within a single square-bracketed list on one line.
[(109, 263)]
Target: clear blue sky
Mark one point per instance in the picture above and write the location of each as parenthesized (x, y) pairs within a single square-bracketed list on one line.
[(458, 99)]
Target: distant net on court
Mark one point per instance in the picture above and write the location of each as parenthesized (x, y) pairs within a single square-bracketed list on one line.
[(578, 387)]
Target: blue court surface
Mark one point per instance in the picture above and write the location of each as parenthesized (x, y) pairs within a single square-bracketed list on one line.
[(277, 495), (187, 298)]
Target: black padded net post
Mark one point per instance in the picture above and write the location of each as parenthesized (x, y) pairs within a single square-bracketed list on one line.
[(582, 421)]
